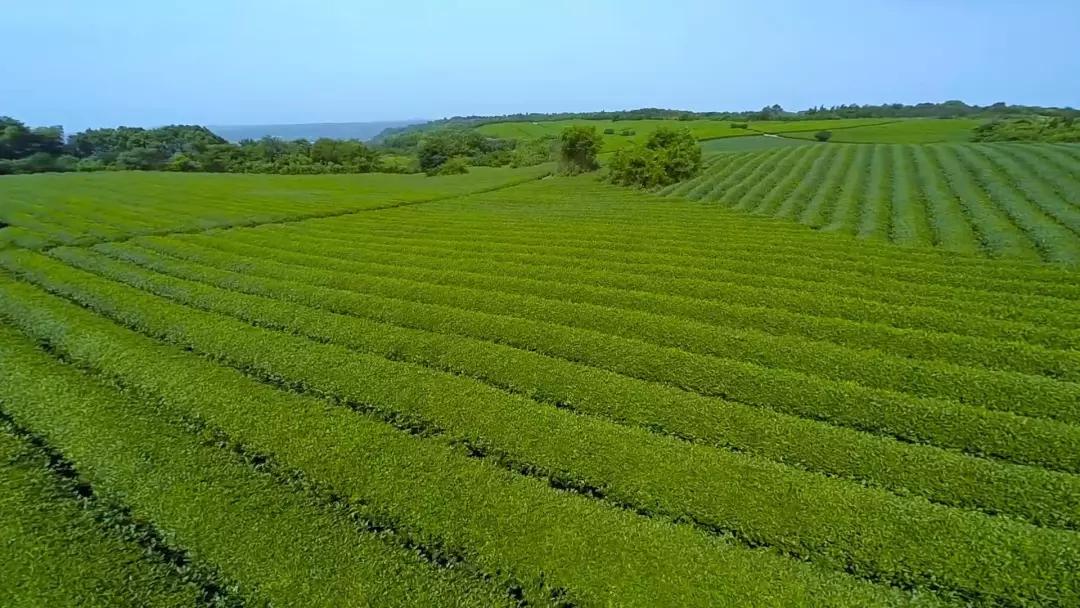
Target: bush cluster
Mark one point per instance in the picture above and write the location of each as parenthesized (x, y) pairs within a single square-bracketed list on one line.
[(668, 156)]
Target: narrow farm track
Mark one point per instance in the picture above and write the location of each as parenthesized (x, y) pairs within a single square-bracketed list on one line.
[(1014, 200), (559, 392)]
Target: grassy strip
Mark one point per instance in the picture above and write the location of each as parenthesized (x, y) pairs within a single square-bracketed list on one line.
[(1056, 185), (910, 208), (952, 229), (1056, 165), (817, 209), (797, 194), (804, 172), (1033, 187), (563, 546), (55, 549), (999, 235), (754, 189), (278, 547), (1037, 495), (876, 214), (748, 169), (653, 474), (845, 211), (1055, 242)]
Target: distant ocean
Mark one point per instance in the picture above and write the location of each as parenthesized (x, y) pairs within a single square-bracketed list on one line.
[(363, 131)]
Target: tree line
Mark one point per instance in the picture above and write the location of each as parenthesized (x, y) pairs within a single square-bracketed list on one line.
[(1062, 128), (947, 109), (194, 148)]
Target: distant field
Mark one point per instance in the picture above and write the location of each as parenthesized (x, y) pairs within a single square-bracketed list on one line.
[(53, 209), (864, 129), (1012, 200), (238, 391), (702, 129), (749, 144), (910, 131), (813, 126)]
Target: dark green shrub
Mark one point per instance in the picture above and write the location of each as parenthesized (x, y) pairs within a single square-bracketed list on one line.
[(667, 157), (457, 165), (578, 147)]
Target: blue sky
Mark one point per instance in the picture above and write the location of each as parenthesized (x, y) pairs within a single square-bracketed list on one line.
[(110, 62)]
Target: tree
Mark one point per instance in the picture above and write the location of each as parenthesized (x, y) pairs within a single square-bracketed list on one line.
[(181, 162), (823, 135), (578, 147), (455, 166), (677, 153), (668, 156)]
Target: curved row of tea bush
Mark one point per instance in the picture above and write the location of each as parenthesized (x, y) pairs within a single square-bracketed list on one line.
[(553, 545), (415, 334), (608, 311), (649, 473), (276, 545), (56, 551)]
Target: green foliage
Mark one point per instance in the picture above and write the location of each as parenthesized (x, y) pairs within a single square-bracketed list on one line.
[(438, 147), (1061, 128), (182, 162), (578, 147), (823, 135), (17, 141), (535, 151), (609, 131), (179, 148), (636, 166), (668, 156), (457, 165)]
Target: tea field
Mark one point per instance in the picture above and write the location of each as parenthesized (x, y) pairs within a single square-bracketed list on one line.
[(494, 389), (1020, 201)]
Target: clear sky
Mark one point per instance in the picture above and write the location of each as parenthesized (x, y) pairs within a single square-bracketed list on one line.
[(139, 62)]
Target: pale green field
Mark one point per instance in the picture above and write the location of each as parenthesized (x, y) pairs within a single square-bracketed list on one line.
[(910, 131), (749, 144), (885, 129)]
